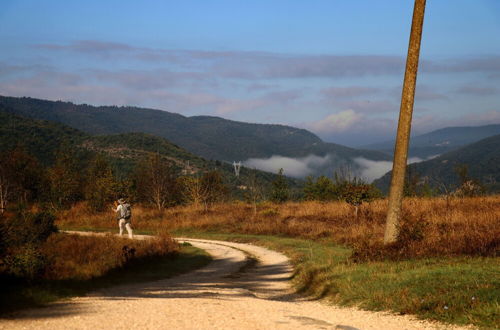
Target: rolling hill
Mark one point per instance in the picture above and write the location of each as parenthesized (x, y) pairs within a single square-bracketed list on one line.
[(441, 141), (43, 139), (481, 158), (210, 137)]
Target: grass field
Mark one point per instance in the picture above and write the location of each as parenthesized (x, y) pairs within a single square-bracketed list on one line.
[(431, 227)]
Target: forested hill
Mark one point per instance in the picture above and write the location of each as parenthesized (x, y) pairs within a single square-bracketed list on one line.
[(209, 137), (441, 140), (482, 160), (44, 139)]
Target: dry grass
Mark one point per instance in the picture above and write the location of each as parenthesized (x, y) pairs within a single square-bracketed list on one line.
[(86, 257), (430, 227)]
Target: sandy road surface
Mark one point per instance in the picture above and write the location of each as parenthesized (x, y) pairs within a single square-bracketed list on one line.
[(245, 287)]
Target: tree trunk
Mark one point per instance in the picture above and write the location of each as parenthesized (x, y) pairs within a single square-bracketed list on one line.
[(404, 126)]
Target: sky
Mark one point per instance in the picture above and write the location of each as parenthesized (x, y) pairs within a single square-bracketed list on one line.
[(334, 67)]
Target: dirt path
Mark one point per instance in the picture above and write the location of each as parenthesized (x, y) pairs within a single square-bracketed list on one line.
[(245, 287)]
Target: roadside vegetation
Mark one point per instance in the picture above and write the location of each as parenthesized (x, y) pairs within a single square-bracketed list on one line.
[(444, 265), (431, 227), (40, 265), (460, 290)]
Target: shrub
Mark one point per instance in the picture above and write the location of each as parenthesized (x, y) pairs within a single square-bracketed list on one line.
[(21, 237), (28, 228), (26, 262), (323, 189)]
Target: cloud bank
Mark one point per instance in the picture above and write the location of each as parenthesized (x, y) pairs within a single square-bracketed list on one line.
[(371, 170), (294, 167)]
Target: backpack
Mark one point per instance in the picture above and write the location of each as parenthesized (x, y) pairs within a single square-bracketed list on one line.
[(126, 211)]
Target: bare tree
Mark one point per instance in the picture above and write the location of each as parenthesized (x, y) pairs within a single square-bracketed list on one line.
[(205, 190), (404, 126), (254, 191), (156, 181), (193, 190)]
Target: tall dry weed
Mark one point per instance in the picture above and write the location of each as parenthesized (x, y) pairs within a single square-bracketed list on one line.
[(83, 257), (430, 226)]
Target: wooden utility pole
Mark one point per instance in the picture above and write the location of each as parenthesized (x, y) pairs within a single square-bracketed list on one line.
[(404, 126)]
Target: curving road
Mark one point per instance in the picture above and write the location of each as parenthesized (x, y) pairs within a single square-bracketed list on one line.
[(245, 287)]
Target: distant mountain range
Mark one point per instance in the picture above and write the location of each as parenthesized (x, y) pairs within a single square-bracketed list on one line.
[(43, 139), (440, 141), (481, 158), (209, 137)]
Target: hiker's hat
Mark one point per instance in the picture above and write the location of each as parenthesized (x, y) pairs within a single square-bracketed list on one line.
[(121, 200)]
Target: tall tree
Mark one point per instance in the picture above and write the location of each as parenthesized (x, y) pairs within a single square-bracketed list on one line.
[(100, 183), (280, 192), (20, 176), (205, 190), (65, 179), (156, 182), (404, 126), (214, 186)]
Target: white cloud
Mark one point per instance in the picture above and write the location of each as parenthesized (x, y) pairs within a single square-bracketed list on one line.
[(337, 122), (371, 169), (294, 167)]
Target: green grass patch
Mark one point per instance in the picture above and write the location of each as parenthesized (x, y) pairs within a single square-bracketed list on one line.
[(17, 294), (458, 290)]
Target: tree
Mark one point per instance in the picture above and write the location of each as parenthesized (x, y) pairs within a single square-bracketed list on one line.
[(205, 190), (156, 182), (214, 186), (100, 183), (254, 193), (192, 190), (357, 194), (323, 189), (6, 182), (65, 179), (20, 177), (280, 192), (404, 125)]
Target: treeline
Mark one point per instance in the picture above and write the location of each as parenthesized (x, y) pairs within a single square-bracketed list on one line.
[(74, 177), (71, 179)]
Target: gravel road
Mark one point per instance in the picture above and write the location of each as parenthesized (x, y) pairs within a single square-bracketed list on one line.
[(245, 287)]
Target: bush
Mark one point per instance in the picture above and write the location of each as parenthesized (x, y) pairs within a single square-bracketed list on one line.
[(323, 189), (21, 237), (27, 228), (26, 262)]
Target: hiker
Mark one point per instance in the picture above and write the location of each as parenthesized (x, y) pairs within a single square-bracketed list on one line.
[(124, 214)]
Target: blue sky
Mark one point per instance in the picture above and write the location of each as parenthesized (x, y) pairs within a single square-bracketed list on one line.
[(333, 67)]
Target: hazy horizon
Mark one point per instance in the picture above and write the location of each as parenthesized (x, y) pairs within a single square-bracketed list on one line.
[(334, 68)]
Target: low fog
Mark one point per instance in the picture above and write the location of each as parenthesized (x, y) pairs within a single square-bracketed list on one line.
[(294, 167), (368, 170), (371, 170)]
